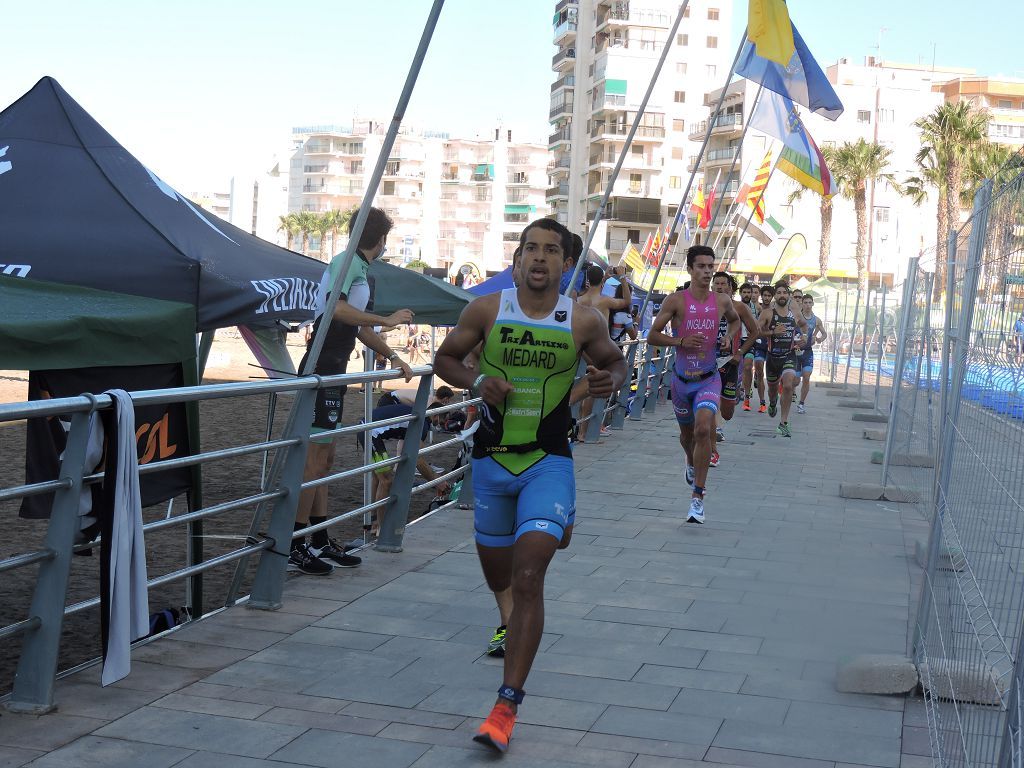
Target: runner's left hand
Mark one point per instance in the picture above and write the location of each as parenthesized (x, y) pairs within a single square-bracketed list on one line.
[(599, 382)]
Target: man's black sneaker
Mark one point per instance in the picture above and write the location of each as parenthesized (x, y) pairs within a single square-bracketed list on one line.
[(302, 560), (336, 554)]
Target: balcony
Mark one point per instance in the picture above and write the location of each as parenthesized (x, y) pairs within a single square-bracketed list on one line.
[(562, 134), (714, 157), (622, 188), (332, 189), (612, 102), (560, 110), (317, 148), (560, 166), (565, 32), (518, 179), (634, 210), (566, 81), (621, 16), (564, 60), (566, 4), (320, 168), (724, 124), (557, 191), (633, 162), (614, 131), (450, 178)]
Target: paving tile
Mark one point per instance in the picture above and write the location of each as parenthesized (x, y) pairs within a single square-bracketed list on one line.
[(816, 690), (90, 700), (204, 705), (718, 757), (731, 706), (44, 733), (602, 691), (184, 653), (253, 674), (211, 733), (343, 638), (646, 724), (146, 676), (536, 710), (683, 677), (215, 633), (324, 721), (98, 752), (274, 698), (818, 744), (676, 750), (389, 625), (877, 722), (642, 653), (331, 749), (328, 658), (403, 715), (216, 760), (751, 664), (714, 642), (15, 758)]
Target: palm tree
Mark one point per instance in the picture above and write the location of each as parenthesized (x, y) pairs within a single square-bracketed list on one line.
[(339, 220), (321, 227), (307, 222), (992, 161), (951, 133), (858, 164), (916, 188), (290, 226), (825, 210)]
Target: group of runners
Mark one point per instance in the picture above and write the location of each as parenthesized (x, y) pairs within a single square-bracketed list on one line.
[(519, 351)]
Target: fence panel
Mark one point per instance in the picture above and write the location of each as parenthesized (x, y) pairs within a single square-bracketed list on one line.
[(968, 634)]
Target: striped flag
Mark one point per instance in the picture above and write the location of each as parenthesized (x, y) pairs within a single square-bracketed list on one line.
[(632, 258), (800, 158), (755, 193), (697, 205), (652, 257), (646, 251)]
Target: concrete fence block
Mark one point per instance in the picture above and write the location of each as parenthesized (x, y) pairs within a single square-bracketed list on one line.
[(877, 674), (874, 418), (874, 492), (962, 680), (904, 459), (844, 392), (854, 403), (874, 434), (830, 384), (948, 559)]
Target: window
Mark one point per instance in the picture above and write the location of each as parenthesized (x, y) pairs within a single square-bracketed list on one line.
[(710, 70), (677, 153), (881, 215), (886, 115), (633, 235), (681, 68), (863, 116), (712, 41), (387, 187), (675, 182), (1005, 104), (635, 180), (682, 39), (679, 97), (712, 14), (679, 126)]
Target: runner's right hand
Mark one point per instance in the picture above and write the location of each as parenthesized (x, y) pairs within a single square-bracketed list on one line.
[(401, 317), (494, 390)]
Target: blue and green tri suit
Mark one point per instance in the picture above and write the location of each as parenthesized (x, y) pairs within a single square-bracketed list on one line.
[(522, 467)]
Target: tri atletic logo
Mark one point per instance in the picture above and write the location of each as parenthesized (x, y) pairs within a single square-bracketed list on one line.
[(5, 165), (284, 294)]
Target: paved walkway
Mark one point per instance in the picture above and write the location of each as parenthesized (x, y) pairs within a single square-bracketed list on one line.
[(666, 644)]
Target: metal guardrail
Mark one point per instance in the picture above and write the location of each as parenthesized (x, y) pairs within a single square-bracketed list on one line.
[(34, 680)]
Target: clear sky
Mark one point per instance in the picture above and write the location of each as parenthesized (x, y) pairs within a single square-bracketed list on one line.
[(202, 90)]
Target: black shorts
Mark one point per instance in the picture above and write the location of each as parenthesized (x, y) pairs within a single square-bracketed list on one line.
[(330, 402), (730, 378), (775, 366)]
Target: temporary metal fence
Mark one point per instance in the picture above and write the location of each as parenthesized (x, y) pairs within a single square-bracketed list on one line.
[(914, 377), (37, 666), (969, 646)]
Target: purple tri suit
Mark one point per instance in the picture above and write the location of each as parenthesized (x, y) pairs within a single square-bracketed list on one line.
[(696, 383)]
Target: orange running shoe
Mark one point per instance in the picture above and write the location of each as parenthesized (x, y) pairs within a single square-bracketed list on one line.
[(496, 730), (746, 405), (763, 408)]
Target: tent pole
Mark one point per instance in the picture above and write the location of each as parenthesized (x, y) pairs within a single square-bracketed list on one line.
[(599, 214), (286, 472), (203, 351)]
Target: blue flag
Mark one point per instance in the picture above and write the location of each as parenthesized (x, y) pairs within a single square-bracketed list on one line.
[(802, 80)]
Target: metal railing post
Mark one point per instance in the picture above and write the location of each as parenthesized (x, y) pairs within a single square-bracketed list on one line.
[(396, 513), (836, 339), (881, 347), (853, 337), (37, 667), (619, 417), (897, 370), (654, 382), (596, 420), (864, 341), (643, 386)]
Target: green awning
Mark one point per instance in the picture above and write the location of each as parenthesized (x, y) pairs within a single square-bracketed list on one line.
[(615, 87), (520, 208), (53, 325)]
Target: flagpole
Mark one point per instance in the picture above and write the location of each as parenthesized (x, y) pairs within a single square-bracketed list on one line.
[(736, 247), (700, 156), (732, 167), (599, 214)]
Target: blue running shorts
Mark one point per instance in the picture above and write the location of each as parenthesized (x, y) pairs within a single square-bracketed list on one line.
[(543, 498), (806, 361), (689, 397)]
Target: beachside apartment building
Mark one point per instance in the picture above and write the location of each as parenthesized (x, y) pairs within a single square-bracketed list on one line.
[(882, 100), (1002, 97), (606, 53), (457, 203)]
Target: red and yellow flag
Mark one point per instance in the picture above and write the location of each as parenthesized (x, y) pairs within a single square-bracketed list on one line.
[(755, 194), (698, 203)]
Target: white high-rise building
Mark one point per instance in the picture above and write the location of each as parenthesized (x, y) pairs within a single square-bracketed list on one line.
[(457, 203), (881, 101), (259, 201), (607, 52)]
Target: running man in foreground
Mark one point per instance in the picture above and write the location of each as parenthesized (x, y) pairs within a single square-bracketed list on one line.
[(805, 357), (697, 386), (522, 467), (780, 324)]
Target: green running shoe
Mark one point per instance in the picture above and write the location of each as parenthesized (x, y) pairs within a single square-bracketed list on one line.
[(772, 410), (783, 430), (496, 647)]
